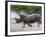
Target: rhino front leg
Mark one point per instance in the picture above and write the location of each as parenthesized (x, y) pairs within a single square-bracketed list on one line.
[(24, 25)]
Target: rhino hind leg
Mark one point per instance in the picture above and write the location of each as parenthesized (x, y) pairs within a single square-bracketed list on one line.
[(39, 22), (24, 25)]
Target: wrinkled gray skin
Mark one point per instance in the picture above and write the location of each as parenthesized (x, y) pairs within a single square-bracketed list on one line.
[(29, 19)]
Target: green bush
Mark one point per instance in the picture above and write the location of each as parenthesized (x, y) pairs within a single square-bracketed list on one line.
[(26, 9)]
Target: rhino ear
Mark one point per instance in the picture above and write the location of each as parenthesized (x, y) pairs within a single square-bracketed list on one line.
[(20, 15)]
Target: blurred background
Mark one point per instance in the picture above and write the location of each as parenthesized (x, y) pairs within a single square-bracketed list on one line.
[(26, 9), (16, 10)]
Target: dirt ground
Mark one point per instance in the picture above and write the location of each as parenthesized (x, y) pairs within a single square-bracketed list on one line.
[(14, 27)]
